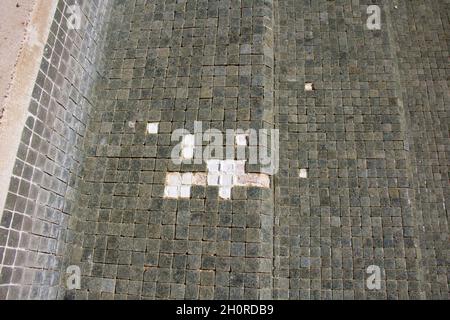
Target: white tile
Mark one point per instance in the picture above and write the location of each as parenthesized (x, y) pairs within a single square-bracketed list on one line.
[(253, 180), (213, 166), (186, 179), (173, 179), (171, 192), (309, 86), (226, 180), (213, 179), (236, 180), (189, 140), (227, 166), (187, 152), (239, 167), (303, 174), (153, 128), (185, 191), (225, 193), (166, 191), (264, 181), (241, 139)]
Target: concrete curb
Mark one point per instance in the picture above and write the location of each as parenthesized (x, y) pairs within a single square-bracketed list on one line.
[(20, 91)]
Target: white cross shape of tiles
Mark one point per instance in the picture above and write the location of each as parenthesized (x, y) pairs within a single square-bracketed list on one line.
[(225, 174)]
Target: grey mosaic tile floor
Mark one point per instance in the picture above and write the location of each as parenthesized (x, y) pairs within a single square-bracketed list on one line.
[(364, 157)]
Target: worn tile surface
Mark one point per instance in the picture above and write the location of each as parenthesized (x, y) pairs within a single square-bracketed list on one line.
[(364, 156)]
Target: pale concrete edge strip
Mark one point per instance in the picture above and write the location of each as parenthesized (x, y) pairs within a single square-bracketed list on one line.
[(19, 97)]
